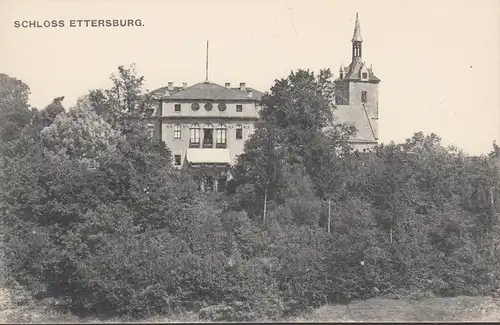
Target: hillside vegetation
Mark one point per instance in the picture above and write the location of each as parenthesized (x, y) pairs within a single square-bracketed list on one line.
[(96, 220)]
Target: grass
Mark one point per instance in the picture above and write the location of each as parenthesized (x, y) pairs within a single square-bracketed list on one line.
[(458, 309)]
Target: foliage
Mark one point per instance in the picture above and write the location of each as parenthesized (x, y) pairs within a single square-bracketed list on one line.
[(93, 214)]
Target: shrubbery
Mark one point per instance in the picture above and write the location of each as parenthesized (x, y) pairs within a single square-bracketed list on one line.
[(94, 216)]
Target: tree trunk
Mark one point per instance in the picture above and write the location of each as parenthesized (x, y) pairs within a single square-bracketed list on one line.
[(493, 222), (265, 206), (329, 214)]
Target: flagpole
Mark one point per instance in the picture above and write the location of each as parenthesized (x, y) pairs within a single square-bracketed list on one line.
[(206, 68)]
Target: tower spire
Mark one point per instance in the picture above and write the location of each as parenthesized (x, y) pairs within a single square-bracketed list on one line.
[(356, 40), (206, 65), (357, 31)]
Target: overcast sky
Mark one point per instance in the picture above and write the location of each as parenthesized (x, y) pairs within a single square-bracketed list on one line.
[(438, 59)]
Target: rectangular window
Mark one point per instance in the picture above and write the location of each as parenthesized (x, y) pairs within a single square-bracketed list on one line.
[(221, 136), (177, 131), (177, 107), (177, 160), (194, 138), (239, 132), (208, 138), (239, 108), (363, 96), (364, 75)]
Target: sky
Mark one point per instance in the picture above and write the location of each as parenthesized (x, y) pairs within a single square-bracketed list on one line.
[(439, 60)]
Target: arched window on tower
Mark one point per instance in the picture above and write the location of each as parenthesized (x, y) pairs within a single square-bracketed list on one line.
[(363, 96)]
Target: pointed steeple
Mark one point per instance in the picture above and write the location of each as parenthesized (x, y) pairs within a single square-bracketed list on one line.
[(357, 31), (356, 41)]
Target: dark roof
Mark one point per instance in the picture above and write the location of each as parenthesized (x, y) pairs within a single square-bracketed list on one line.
[(353, 72), (255, 93), (206, 90), (161, 92)]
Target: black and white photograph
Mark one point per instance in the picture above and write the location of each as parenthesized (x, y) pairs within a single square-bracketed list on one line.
[(249, 161)]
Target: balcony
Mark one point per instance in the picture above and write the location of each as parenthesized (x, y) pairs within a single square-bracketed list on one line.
[(208, 145)]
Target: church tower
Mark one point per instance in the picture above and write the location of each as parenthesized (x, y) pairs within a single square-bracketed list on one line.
[(357, 96)]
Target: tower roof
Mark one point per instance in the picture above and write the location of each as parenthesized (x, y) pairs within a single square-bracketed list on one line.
[(357, 31), (354, 72)]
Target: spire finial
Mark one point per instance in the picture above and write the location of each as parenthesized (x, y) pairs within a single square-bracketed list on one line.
[(206, 67), (357, 31)]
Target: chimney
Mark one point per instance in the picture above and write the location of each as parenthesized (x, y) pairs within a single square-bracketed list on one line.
[(242, 86), (249, 93), (184, 84), (170, 85), (228, 85)]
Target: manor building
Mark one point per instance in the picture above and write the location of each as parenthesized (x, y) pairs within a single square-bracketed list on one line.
[(206, 125), (357, 96)]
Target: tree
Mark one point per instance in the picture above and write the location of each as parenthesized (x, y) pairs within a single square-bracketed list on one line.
[(15, 113), (294, 117), (79, 168), (261, 166), (124, 104)]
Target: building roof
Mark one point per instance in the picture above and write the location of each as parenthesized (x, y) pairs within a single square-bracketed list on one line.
[(255, 93), (357, 31), (208, 156), (354, 71), (357, 116), (207, 91)]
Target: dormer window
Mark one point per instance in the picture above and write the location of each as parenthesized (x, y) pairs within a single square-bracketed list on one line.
[(341, 75), (364, 76)]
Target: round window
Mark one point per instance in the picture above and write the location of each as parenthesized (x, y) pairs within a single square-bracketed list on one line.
[(208, 106), (222, 107), (195, 106)]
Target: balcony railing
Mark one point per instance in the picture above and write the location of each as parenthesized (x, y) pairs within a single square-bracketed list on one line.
[(221, 145), (194, 144), (208, 144)]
